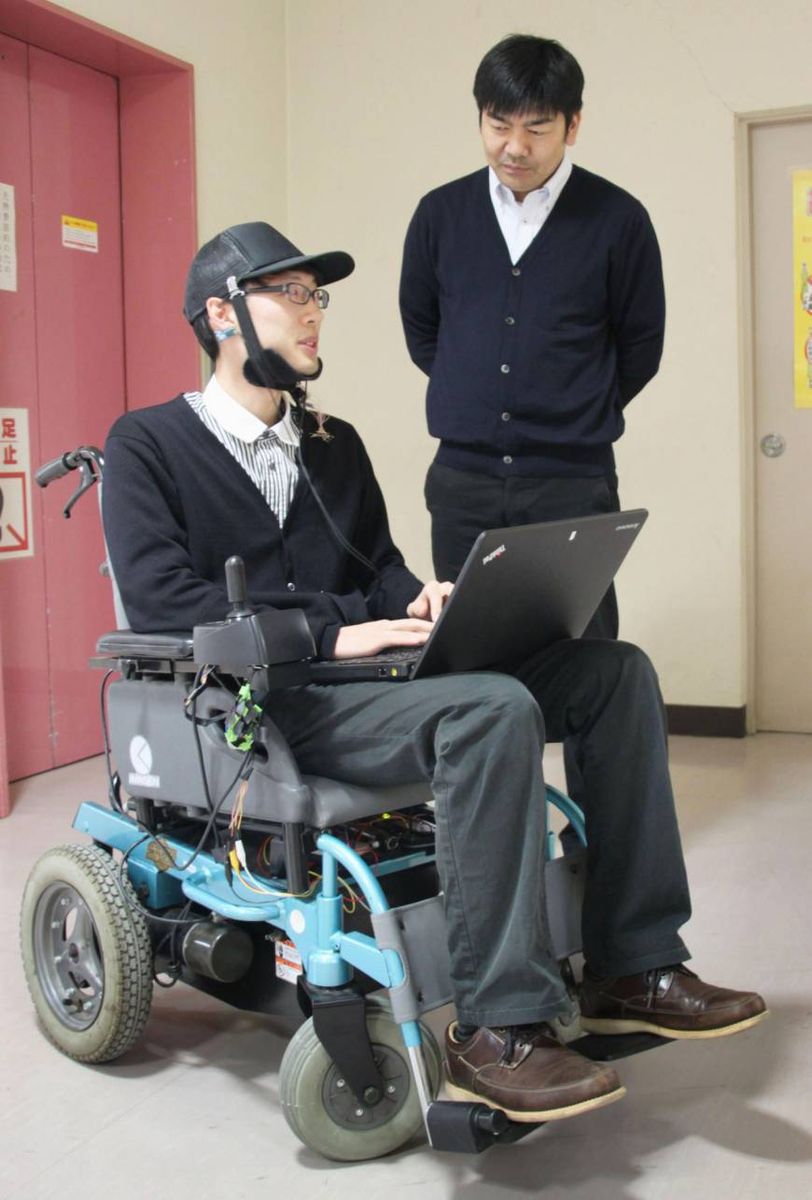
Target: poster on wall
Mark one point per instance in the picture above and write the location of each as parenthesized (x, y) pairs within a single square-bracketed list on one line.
[(16, 535), (8, 239), (802, 266)]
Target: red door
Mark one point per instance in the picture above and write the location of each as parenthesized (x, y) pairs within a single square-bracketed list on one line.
[(62, 361)]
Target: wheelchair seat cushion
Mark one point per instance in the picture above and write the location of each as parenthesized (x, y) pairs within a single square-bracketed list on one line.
[(332, 802)]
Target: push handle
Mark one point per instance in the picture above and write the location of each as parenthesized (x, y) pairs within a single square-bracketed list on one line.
[(89, 460), (55, 469)]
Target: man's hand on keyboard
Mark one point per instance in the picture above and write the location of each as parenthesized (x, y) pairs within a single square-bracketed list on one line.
[(358, 641), (429, 603)]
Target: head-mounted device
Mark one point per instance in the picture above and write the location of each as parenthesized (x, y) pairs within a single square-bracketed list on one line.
[(248, 251)]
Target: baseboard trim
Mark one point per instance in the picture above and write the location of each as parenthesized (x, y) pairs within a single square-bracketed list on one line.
[(703, 720)]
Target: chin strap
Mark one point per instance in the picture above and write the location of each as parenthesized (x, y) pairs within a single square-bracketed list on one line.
[(265, 367)]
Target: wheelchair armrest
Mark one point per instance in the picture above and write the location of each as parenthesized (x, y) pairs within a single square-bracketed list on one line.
[(126, 644)]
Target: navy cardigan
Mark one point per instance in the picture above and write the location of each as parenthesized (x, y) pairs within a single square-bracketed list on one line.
[(177, 505), (530, 365)]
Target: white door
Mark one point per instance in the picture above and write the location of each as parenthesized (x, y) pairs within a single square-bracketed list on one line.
[(783, 433)]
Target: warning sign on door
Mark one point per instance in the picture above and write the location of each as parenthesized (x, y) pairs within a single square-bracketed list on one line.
[(16, 540), (78, 234)]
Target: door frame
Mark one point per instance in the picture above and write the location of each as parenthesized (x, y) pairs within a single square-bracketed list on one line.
[(744, 123), (158, 203)]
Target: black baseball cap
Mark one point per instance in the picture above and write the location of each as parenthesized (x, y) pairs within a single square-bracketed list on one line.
[(246, 251)]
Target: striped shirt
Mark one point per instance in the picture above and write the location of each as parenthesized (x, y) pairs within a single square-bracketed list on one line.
[(267, 454)]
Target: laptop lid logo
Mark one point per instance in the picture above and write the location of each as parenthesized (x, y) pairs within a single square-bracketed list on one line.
[(497, 553)]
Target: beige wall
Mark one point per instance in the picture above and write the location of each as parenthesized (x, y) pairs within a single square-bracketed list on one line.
[(377, 110), (238, 53), (387, 114)]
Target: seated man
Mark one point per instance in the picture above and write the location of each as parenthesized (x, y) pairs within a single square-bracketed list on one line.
[(248, 468)]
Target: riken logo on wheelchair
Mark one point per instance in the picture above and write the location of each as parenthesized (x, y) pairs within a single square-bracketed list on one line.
[(141, 759)]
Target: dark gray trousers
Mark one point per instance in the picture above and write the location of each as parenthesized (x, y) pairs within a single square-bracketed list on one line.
[(462, 504), (478, 739)]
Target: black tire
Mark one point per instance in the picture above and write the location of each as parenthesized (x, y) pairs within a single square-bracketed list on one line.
[(86, 954), (328, 1119)]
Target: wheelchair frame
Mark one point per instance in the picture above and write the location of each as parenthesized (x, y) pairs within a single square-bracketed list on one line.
[(360, 1079)]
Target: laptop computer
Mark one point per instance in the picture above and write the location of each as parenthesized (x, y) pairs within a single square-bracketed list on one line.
[(520, 590)]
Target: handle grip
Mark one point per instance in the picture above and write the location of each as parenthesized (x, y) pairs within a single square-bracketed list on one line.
[(55, 469)]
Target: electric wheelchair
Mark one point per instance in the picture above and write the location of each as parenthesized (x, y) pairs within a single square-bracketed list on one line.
[(216, 863)]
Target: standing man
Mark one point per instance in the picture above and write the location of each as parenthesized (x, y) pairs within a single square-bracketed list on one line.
[(532, 296)]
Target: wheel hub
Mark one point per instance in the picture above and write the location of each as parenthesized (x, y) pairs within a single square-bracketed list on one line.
[(68, 956), (345, 1108)]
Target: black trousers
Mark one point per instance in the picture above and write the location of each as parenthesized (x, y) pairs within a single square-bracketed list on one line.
[(462, 504), (478, 739)]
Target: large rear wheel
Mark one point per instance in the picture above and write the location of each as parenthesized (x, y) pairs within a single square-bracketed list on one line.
[(87, 954)]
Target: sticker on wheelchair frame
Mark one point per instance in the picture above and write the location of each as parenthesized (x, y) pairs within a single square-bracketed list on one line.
[(288, 961), (141, 759)]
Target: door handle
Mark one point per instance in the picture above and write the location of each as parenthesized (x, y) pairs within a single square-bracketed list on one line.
[(773, 445)]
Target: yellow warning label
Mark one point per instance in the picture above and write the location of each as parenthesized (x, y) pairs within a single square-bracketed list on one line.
[(78, 234), (802, 285)]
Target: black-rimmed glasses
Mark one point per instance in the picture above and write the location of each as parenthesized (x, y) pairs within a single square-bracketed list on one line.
[(299, 293)]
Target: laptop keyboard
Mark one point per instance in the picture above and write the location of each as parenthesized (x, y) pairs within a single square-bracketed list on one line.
[(387, 656)]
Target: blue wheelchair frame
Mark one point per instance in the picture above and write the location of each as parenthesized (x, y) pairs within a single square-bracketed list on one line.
[(314, 923)]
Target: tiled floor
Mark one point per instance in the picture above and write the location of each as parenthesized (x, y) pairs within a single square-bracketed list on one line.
[(193, 1109)]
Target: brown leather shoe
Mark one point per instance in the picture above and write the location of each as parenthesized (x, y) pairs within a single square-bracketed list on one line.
[(526, 1073), (670, 1001)]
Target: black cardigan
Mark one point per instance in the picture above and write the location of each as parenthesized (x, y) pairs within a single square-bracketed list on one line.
[(533, 362), (177, 505)]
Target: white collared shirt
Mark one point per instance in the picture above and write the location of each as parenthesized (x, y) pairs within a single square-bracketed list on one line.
[(521, 222), (266, 453)]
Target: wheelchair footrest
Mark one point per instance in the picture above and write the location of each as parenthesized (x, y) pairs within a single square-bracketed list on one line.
[(470, 1128), (608, 1047)]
